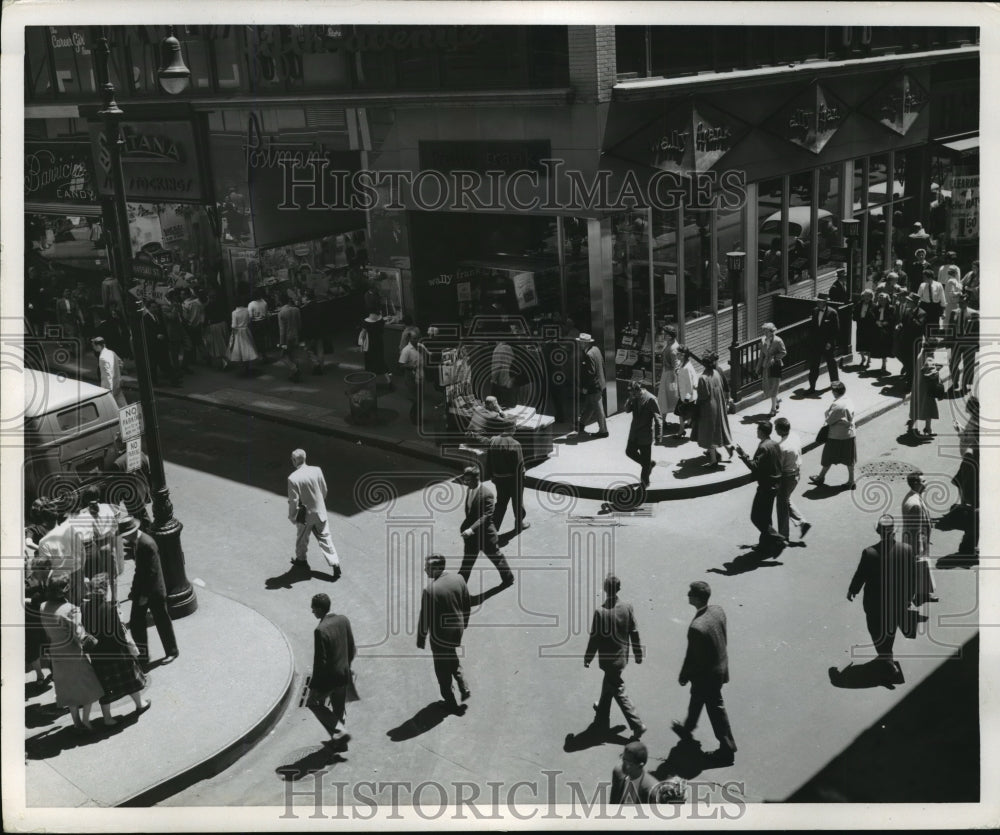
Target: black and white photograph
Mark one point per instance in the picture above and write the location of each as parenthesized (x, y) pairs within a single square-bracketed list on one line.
[(504, 415)]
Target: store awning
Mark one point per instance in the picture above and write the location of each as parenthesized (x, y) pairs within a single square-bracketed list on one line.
[(963, 146)]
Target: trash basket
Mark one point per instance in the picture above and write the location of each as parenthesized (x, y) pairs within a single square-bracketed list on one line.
[(362, 396)]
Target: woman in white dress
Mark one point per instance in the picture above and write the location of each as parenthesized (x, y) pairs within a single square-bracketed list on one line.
[(770, 362), (687, 392), (241, 347), (668, 394)]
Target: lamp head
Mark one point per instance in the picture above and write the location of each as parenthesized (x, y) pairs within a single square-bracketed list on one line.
[(173, 73)]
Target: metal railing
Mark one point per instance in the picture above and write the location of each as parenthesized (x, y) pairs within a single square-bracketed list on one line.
[(795, 336)]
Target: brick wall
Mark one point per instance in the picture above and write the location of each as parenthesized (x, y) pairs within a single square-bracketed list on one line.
[(592, 62)]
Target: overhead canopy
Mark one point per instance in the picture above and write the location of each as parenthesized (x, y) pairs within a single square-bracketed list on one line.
[(963, 146)]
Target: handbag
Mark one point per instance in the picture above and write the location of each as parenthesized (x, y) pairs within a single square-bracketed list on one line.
[(300, 514), (775, 368), (352, 688), (908, 624), (823, 435)]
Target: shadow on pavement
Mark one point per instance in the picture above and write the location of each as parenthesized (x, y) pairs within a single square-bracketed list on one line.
[(750, 561), (309, 761), (50, 743), (295, 575), (686, 759), (591, 737), (925, 749), (953, 561), (40, 716), (691, 467), (860, 676), (422, 721), (750, 420), (483, 596)]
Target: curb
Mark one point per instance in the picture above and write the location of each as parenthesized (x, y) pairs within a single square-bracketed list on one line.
[(225, 756)]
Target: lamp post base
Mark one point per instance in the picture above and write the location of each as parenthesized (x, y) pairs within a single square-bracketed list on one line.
[(166, 530)]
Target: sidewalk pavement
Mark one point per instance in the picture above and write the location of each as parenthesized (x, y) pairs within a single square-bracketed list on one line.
[(208, 706), (594, 468)]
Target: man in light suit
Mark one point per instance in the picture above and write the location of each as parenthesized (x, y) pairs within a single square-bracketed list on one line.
[(964, 325), (109, 366), (307, 511), (630, 782), (444, 615), (478, 531), (706, 666)]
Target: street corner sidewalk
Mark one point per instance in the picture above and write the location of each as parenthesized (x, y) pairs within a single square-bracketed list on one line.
[(208, 707), (598, 468)]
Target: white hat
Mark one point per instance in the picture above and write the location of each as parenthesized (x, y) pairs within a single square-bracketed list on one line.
[(585, 337)]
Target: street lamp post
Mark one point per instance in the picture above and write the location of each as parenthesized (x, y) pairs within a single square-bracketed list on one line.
[(852, 231), (735, 262), (166, 530)]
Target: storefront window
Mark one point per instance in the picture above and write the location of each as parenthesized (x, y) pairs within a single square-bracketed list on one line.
[(664, 268), (72, 59), (800, 229), (227, 63), (829, 219), (37, 67), (770, 221), (697, 264), (576, 258), (729, 238)]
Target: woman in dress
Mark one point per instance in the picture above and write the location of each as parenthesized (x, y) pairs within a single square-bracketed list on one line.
[(687, 393), (114, 656), (668, 394), (884, 319), (713, 411), (411, 368), (241, 346), (371, 342), (77, 685), (840, 446), (770, 362), (867, 330), (926, 387)]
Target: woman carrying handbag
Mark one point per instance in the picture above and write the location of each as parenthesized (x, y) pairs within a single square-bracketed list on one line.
[(770, 363)]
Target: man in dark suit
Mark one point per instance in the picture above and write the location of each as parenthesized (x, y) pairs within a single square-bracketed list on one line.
[(630, 782), (964, 325), (912, 323), (915, 269), (290, 337), (611, 631), (333, 653), (838, 290), (821, 341), (149, 592), (887, 572), (706, 666), (479, 534), (766, 468), (506, 462), (444, 615), (592, 385), (647, 426)]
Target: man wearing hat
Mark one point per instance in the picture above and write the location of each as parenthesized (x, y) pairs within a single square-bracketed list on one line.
[(630, 782), (479, 534), (592, 384), (915, 270), (887, 572), (821, 341), (612, 630), (109, 367), (838, 290), (919, 238), (149, 592), (964, 326), (932, 298), (912, 321), (706, 666)]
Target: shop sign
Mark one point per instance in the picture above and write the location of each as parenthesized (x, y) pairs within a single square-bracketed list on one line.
[(159, 160), (811, 119), (689, 139), (483, 156), (965, 207), (298, 191), (58, 173), (898, 104), (524, 290)]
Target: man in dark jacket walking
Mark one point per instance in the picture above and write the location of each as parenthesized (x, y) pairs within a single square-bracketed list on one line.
[(887, 572), (821, 341), (706, 666), (149, 592), (647, 426), (444, 614), (612, 630), (766, 468), (333, 653), (506, 462)]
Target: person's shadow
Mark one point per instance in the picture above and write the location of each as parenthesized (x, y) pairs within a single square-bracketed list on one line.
[(860, 676), (422, 721), (910, 440), (591, 737), (686, 760), (756, 557), (50, 743), (294, 574), (750, 420), (486, 594), (314, 761), (822, 491)]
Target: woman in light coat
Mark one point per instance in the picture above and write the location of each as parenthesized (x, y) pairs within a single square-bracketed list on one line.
[(668, 393), (770, 361), (926, 386)]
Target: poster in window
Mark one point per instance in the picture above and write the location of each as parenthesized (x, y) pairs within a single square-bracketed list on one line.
[(965, 207), (524, 290)]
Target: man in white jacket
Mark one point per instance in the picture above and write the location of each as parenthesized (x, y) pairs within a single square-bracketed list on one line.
[(109, 366), (307, 511)]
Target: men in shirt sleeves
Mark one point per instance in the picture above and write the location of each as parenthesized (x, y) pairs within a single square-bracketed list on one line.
[(706, 666), (612, 630), (307, 511), (790, 448)]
